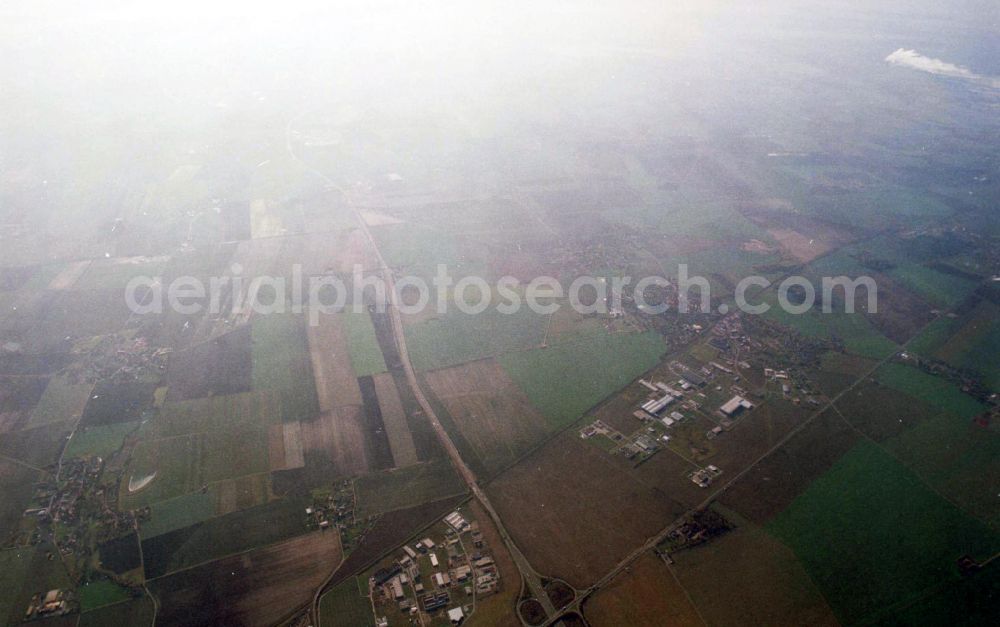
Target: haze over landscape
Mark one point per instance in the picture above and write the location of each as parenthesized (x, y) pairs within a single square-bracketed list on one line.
[(736, 360)]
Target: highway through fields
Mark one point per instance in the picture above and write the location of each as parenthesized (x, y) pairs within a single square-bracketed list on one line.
[(531, 578)]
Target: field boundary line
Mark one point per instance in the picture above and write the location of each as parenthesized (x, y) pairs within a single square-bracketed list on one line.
[(907, 466), (652, 542), (19, 462)]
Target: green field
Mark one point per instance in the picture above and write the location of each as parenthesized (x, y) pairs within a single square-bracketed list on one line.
[(944, 290), (38, 447), (61, 401), (224, 535), (971, 600), (688, 212), (565, 380), (138, 612), (930, 389), (100, 593), (281, 363), (455, 338), (250, 410), (185, 464), (414, 247), (854, 330), (954, 455), (362, 345), (102, 440), (933, 337), (14, 565), (407, 487), (974, 343), (177, 513), (873, 536), (875, 207), (346, 605)]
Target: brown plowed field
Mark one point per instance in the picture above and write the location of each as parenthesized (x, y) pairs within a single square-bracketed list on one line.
[(645, 595), (336, 383), (404, 453), (260, 587), (775, 482), (575, 513), (747, 577), (341, 435), (491, 412)]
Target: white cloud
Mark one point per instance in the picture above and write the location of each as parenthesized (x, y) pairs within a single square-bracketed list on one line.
[(914, 60)]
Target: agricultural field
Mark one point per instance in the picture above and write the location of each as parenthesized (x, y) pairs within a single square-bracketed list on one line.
[(280, 357), (943, 290), (933, 390), (101, 593), (221, 536), (968, 341), (36, 447), (362, 345), (905, 539), (220, 366), (348, 604), (855, 332), (16, 481), (340, 438), (332, 365), (749, 577), (260, 587), (954, 455), (407, 487), (415, 249), (113, 403), (773, 484), (186, 463), (18, 400), (838, 371), (456, 337), (246, 411), (14, 565), (134, 612), (251, 462), (404, 452), (645, 596), (101, 441), (881, 412), (588, 510), (177, 513), (565, 380), (489, 412), (973, 598)]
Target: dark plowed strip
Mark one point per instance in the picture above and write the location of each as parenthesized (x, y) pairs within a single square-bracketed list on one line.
[(376, 439)]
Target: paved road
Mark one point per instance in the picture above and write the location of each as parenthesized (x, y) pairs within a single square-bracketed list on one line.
[(531, 578)]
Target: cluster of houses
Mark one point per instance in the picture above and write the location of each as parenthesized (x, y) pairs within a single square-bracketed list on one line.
[(456, 571), (335, 510), (81, 507)]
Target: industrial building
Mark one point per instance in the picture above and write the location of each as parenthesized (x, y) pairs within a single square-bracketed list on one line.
[(735, 405), (456, 522), (655, 406)]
